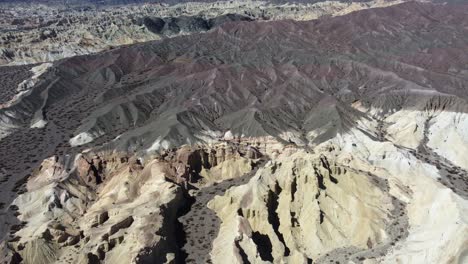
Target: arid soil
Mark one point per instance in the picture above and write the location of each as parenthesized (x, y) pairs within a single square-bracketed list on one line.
[(335, 140)]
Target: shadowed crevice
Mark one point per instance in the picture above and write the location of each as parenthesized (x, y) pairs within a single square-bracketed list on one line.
[(273, 218), (264, 245)]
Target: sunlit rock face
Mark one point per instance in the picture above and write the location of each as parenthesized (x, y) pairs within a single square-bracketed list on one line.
[(356, 198), (297, 195), (336, 140)]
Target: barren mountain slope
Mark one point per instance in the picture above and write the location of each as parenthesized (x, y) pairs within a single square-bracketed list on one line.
[(32, 33), (338, 140)]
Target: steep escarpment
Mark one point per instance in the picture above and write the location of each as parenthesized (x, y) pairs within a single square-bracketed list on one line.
[(278, 141)]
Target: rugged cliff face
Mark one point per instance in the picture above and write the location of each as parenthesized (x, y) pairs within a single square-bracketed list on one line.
[(337, 140), (113, 207), (354, 199), (65, 218)]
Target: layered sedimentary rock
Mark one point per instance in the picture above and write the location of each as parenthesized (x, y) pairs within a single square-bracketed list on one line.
[(91, 208), (368, 201), (340, 139)]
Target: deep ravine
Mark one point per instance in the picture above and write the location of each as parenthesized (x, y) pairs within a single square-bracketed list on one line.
[(201, 224)]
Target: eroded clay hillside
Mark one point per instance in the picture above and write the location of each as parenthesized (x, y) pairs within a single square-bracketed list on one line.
[(51, 30), (337, 140)]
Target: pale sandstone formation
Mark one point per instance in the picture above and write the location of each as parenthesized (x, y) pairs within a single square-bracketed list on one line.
[(264, 217), (99, 207), (296, 195), (435, 214), (227, 169), (66, 216)]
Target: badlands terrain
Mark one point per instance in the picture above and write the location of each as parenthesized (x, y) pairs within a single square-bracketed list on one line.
[(49, 30), (341, 139)]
